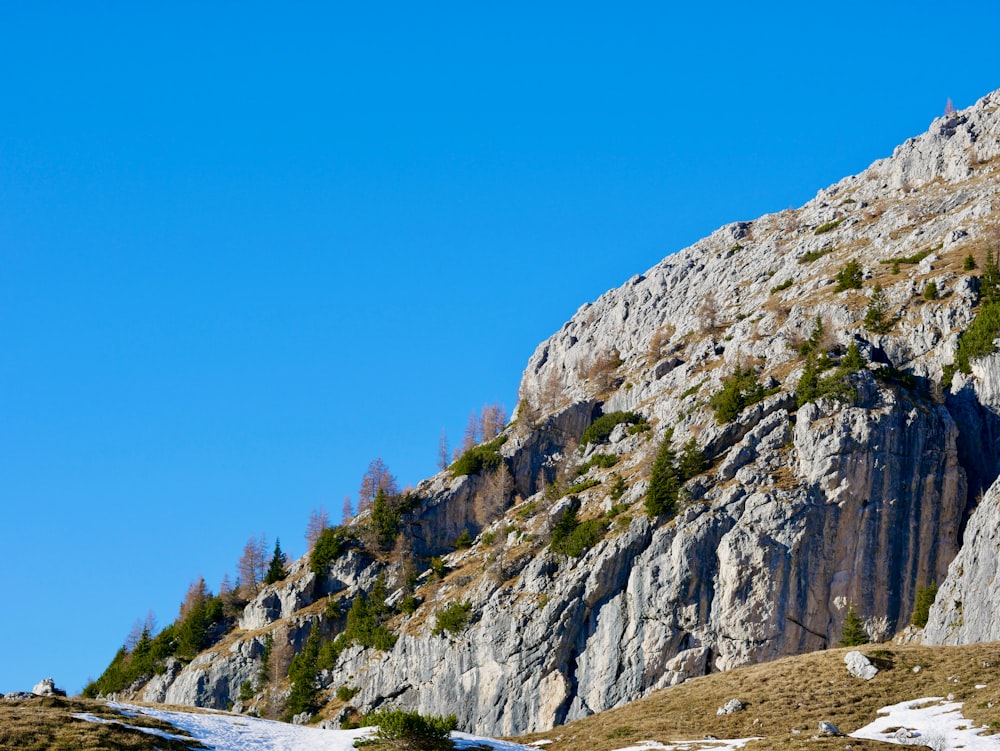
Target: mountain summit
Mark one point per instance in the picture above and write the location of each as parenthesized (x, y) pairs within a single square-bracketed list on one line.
[(786, 426)]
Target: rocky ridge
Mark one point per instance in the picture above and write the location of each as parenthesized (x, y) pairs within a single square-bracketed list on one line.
[(805, 509)]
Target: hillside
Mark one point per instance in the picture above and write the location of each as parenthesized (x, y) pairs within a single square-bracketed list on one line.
[(783, 703), (709, 467)]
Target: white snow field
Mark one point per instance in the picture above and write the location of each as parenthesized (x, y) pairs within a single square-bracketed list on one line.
[(933, 722), (230, 732)]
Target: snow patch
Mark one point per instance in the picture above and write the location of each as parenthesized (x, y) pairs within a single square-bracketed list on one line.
[(222, 731), (931, 722)]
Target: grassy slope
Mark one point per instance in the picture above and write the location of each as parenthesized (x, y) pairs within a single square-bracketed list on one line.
[(48, 723), (795, 693)]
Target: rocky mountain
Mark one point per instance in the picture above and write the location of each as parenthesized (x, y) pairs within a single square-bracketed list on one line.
[(821, 377)]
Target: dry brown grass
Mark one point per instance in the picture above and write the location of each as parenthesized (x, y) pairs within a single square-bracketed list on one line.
[(795, 693), (47, 723)]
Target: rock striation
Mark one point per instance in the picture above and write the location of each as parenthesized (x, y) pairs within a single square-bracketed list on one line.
[(808, 503)]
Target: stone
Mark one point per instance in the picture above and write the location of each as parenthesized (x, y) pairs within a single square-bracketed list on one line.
[(860, 666), (18, 696), (730, 707), (828, 729), (47, 687)]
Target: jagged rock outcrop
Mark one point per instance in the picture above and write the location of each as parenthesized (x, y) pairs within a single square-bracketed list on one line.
[(967, 606), (809, 503)]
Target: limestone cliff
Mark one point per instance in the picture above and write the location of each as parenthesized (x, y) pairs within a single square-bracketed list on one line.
[(808, 505)]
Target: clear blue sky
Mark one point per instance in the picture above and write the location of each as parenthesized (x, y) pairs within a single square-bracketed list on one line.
[(245, 249)]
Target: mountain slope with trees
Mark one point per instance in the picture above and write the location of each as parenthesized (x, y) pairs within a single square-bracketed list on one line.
[(710, 466)]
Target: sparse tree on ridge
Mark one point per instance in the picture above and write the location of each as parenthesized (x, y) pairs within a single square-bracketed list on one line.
[(442, 462), (472, 436), (318, 521), (276, 571), (377, 478), (492, 419), (347, 510), (252, 566)]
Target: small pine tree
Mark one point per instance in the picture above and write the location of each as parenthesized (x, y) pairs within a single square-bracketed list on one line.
[(277, 570), (664, 481), (853, 633), (970, 263), (875, 316), (930, 290), (989, 282), (464, 540), (692, 461), (849, 277), (922, 605)]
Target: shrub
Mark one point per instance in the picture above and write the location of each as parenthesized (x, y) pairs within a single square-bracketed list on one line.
[(922, 605), (811, 344), (345, 693), (977, 340), (813, 255), (452, 618), (439, 567), (464, 540), (600, 429), (581, 486), (406, 731), (853, 634), (604, 461), (812, 386), (931, 290), (849, 276), (738, 392), (909, 260), (475, 460), (783, 286), (828, 226), (364, 626), (969, 264), (618, 488), (327, 548), (573, 538)]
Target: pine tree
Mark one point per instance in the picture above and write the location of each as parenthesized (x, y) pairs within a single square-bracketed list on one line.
[(664, 481), (853, 634), (989, 282), (692, 461), (277, 570)]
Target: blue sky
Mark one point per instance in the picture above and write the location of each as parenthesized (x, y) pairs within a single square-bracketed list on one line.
[(244, 250)]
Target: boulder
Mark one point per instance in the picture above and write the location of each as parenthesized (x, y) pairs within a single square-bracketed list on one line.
[(47, 687), (860, 666)]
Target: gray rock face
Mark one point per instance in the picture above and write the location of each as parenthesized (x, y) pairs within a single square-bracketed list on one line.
[(806, 507), (275, 602), (967, 606)]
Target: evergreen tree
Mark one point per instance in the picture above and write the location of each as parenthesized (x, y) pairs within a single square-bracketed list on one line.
[(922, 605), (692, 461), (302, 673), (853, 633), (875, 316), (989, 282), (664, 481), (277, 570)]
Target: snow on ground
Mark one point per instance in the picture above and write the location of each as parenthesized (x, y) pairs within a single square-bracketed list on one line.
[(930, 722), (231, 732), (703, 745)]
